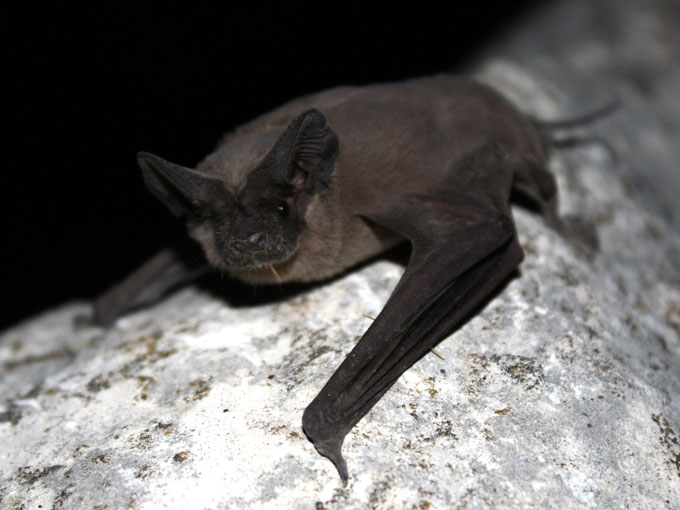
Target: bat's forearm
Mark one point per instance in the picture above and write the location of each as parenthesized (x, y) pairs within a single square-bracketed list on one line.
[(163, 272)]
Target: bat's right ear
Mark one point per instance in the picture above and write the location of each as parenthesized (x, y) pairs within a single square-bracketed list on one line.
[(303, 158), (184, 191)]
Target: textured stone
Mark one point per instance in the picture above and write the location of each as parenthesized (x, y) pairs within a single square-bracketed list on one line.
[(561, 393)]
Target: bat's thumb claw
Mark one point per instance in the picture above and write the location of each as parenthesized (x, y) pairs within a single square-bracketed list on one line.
[(326, 442), (333, 450)]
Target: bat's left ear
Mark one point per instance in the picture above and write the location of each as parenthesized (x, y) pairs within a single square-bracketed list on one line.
[(303, 158)]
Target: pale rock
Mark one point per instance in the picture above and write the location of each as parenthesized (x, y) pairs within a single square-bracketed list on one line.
[(562, 393)]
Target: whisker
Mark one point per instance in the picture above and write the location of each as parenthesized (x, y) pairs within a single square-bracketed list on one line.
[(276, 274)]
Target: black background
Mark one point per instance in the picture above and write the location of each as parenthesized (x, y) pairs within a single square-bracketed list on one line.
[(86, 89)]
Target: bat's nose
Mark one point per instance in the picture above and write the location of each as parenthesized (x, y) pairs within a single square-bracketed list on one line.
[(257, 240)]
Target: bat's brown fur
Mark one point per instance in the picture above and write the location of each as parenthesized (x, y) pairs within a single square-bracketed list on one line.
[(395, 138)]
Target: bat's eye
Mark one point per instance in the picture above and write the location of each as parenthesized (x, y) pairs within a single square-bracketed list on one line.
[(282, 209)]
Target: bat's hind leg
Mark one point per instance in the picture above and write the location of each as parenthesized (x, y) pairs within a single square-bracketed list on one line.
[(534, 184)]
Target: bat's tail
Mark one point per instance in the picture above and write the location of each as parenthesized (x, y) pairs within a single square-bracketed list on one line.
[(581, 120), (547, 128)]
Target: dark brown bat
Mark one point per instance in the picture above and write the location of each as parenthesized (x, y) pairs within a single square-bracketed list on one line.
[(331, 179)]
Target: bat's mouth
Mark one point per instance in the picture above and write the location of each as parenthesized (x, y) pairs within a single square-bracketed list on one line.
[(258, 268), (256, 251)]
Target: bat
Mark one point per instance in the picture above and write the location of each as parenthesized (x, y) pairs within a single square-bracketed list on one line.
[(328, 180)]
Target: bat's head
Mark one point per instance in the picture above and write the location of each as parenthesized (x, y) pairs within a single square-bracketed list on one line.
[(246, 202)]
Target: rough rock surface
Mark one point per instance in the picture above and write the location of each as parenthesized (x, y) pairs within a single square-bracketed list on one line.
[(561, 393)]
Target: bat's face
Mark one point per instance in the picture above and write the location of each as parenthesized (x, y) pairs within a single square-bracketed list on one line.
[(246, 203), (252, 221)]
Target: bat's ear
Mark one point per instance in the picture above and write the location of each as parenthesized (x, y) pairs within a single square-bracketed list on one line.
[(303, 158), (184, 191)]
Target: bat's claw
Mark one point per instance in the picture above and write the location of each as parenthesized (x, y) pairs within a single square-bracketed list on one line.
[(332, 451), (326, 442)]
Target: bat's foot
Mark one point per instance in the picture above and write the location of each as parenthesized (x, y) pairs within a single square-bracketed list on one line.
[(325, 441), (581, 234), (85, 320)]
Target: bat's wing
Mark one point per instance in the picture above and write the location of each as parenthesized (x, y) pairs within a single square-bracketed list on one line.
[(168, 269), (463, 247)]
